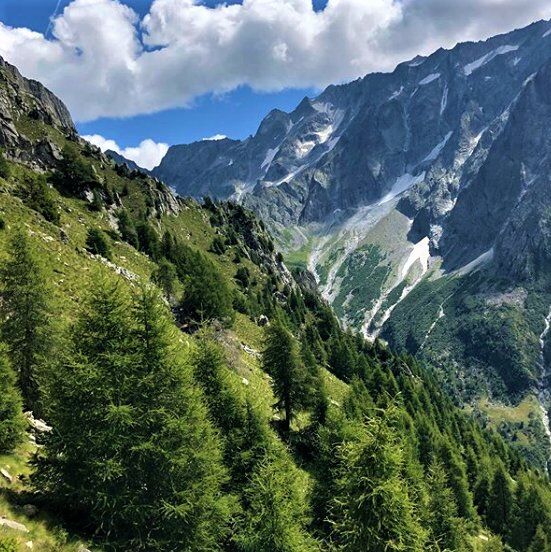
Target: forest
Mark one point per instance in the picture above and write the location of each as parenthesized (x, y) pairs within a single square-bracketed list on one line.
[(155, 441)]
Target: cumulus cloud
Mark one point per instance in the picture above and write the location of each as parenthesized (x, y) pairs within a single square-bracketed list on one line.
[(147, 155), (104, 61)]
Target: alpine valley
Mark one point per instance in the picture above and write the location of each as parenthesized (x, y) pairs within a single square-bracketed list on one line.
[(170, 381), (420, 200)]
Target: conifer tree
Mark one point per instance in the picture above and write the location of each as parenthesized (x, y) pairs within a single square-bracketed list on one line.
[(25, 310), (281, 360), (372, 508), (447, 531), (132, 450), (207, 294), (275, 517), (500, 502), (457, 477), (12, 422)]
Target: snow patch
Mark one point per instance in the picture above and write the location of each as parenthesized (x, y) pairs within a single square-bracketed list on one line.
[(438, 149), (547, 33), (477, 263), (470, 68), (325, 134), (396, 93), (429, 79), (444, 101), (421, 253), (270, 154), (403, 183)]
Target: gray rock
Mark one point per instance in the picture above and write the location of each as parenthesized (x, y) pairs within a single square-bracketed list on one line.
[(10, 524)]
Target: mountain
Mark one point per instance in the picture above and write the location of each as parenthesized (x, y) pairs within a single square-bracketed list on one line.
[(420, 200), (121, 160), (192, 385)]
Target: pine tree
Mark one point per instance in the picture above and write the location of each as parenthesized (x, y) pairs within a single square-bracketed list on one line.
[(447, 531), (207, 294), (458, 481), (281, 360), (132, 450), (165, 277), (531, 508), (25, 309), (275, 517), (97, 243), (12, 423), (372, 509), (500, 502)]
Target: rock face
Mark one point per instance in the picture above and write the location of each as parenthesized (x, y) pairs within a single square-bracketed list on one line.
[(23, 103), (121, 160), (418, 127)]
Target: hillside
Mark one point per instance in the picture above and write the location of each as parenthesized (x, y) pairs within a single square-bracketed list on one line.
[(232, 414), (419, 199)]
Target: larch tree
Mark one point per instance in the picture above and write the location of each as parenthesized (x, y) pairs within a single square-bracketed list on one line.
[(12, 423), (282, 361), (132, 450), (25, 309)]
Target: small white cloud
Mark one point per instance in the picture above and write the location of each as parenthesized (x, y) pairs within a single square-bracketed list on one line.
[(147, 155), (215, 138)]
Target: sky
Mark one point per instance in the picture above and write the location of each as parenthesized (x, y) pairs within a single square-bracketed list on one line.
[(140, 75)]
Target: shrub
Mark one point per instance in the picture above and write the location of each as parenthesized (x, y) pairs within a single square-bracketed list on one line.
[(97, 243), (38, 196)]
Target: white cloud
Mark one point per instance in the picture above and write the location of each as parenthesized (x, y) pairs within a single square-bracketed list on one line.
[(147, 155), (215, 138), (103, 61)]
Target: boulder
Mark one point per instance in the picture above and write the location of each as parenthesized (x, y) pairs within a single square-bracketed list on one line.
[(10, 524), (6, 475)]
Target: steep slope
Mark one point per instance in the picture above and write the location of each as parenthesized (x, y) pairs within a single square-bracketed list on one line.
[(380, 428), (420, 201)]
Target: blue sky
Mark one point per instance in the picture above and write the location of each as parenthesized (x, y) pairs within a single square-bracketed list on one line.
[(139, 75), (235, 114)]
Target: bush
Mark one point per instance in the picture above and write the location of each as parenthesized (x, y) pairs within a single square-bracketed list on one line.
[(97, 243), (2, 224), (38, 196), (218, 246)]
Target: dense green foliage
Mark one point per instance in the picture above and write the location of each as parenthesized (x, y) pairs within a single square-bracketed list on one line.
[(11, 417), (98, 243), (304, 438), (25, 307), (124, 395)]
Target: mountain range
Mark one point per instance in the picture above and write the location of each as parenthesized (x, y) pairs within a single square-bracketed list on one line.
[(420, 200), (195, 394)]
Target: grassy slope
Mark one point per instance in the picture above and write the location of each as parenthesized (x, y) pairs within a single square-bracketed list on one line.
[(70, 268)]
